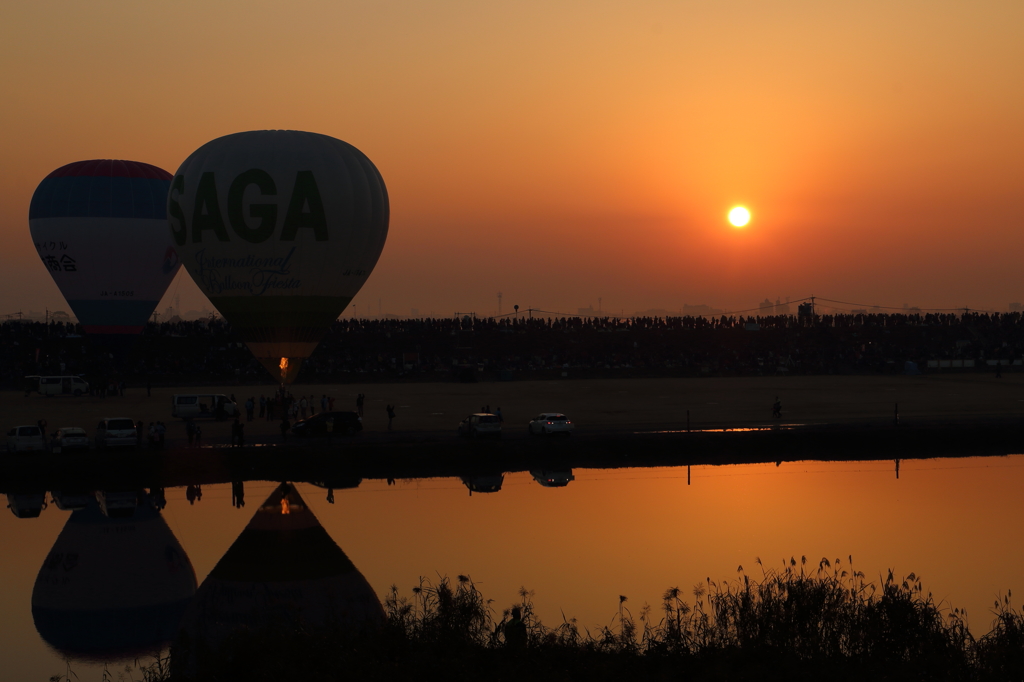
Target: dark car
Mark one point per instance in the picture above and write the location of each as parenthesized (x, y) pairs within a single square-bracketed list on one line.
[(327, 423)]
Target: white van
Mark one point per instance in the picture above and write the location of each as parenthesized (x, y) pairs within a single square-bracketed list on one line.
[(64, 385), (26, 439), (198, 405)]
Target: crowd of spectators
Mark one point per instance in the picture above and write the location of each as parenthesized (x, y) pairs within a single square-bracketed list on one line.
[(482, 348)]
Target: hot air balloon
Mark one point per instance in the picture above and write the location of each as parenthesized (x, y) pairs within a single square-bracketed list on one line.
[(112, 588), (280, 229), (100, 228)]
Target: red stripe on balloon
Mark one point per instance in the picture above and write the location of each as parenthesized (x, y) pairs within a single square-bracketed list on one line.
[(111, 168)]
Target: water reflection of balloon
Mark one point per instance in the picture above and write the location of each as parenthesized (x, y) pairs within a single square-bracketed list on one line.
[(112, 588), (100, 228), (283, 571), (280, 229)]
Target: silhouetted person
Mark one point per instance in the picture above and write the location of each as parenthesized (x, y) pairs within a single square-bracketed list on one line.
[(199, 435), (240, 436), (359, 403), (515, 630), (237, 494), (777, 408), (330, 495), (234, 431), (391, 415), (190, 431)]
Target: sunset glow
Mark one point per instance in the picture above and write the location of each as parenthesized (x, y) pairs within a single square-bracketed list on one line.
[(739, 217), (859, 136)]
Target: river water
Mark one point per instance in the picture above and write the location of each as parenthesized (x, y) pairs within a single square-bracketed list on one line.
[(609, 532)]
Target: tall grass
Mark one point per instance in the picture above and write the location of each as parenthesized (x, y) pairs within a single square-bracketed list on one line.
[(795, 621)]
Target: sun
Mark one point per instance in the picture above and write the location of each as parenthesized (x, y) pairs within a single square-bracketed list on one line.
[(739, 217)]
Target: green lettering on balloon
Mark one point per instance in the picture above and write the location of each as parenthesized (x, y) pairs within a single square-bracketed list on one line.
[(305, 209), (180, 229), (267, 213), (206, 215)]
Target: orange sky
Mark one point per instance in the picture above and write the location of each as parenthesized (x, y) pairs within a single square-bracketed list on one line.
[(561, 152)]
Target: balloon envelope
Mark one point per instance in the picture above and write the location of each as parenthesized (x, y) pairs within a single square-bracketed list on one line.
[(280, 229), (112, 588), (100, 228)]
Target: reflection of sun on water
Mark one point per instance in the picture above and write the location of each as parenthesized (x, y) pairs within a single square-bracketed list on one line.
[(739, 217)]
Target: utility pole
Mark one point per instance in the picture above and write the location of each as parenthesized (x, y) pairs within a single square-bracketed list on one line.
[(812, 306), (499, 304)]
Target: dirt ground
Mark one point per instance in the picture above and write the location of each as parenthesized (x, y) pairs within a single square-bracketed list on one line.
[(603, 405)]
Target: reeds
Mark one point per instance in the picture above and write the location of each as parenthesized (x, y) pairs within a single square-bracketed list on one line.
[(791, 621)]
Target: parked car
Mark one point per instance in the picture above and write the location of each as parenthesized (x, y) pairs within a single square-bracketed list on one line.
[(69, 438), (327, 423), (199, 405), (481, 424), (61, 385), (26, 439), (550, 423), (116, 432)]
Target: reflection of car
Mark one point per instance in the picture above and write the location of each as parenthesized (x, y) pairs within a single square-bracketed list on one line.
[(26, 506), (550, 422), (26, 439), (115, 431), (326, 423), (69, 438), (481, 424), (490, 483), (72, 501), (553, 479), (117, 505)]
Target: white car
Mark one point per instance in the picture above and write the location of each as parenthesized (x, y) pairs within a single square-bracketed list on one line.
[(69, 438), (26, 439), (550, 423), (114, 431), (481, 424)]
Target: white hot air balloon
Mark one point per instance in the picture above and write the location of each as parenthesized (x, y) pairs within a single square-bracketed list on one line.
[(100, 228), (280, 229)]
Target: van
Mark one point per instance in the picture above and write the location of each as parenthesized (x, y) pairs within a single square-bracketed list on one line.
[(114, 431), (62, 385), (26, 439), (198, 405)]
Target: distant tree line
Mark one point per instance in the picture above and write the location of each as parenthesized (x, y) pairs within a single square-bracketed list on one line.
[(505, 348)]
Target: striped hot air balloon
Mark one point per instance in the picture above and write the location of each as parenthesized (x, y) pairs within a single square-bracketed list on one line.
[(280, 229), (100, 228)]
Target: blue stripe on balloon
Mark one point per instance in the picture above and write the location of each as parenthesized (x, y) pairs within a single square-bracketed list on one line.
[(100, 197)]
